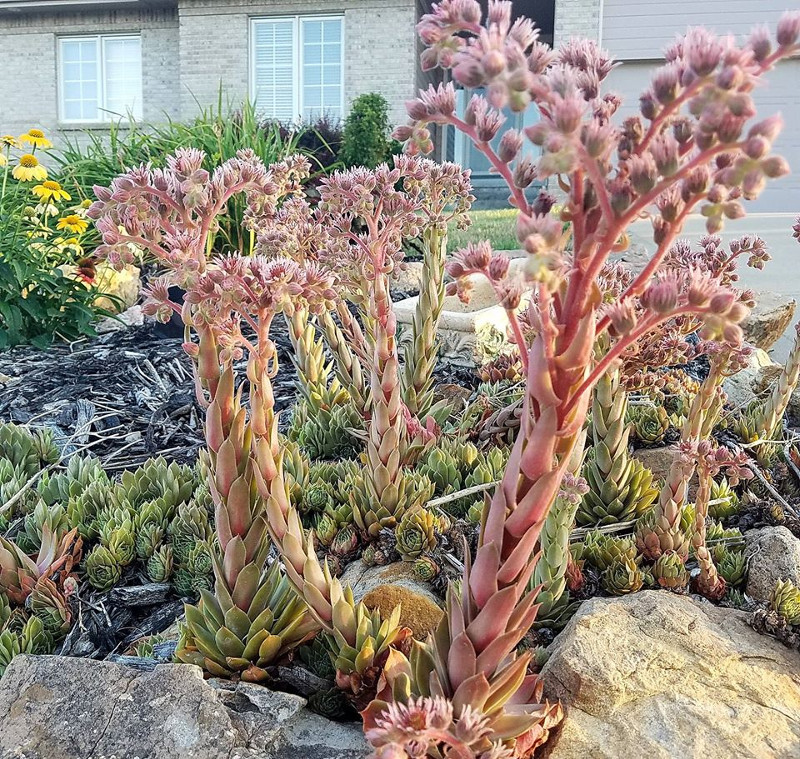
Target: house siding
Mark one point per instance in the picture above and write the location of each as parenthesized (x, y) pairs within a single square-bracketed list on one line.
[(28, 51), (641, 30), (637, 32), (193, 49), (380, 48)]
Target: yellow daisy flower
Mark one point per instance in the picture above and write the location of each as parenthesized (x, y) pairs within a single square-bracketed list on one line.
[(29, 168), (50, 190), (36, 138), (8, 140), (3, 159), (73, 223)]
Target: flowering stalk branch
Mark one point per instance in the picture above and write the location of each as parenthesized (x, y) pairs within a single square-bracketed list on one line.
[(695, 160)]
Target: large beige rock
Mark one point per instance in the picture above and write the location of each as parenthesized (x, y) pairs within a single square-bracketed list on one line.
[(54, 707), (663, 676), (769, 319), (773, 553), (384, 587)]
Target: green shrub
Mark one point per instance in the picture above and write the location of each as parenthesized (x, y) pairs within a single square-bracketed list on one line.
[(366, 132)]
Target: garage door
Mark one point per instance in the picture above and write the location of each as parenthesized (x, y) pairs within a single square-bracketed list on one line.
[(780, 93), (636, 32)]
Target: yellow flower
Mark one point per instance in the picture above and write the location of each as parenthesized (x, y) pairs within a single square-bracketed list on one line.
[(36, 138), (3, 159), (8, 140), (50, 190), (29, 168), (73, 223)]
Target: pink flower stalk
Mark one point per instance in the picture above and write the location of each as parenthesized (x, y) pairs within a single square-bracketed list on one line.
[(692, 147)]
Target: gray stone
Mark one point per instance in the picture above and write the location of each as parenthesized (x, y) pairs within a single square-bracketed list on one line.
[(663, 676), (773, 554), (130, 317), (744, 387), (63, 707), (769, 319), (66, 708), (409, 276)]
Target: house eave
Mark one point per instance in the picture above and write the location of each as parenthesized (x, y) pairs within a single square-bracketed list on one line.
[(15, 7)]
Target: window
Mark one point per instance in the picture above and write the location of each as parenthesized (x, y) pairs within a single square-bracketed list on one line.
[(100, 78), (296, 66)]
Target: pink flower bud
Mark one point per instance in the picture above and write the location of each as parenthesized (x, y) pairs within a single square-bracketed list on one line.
[(510, 145), (567, 114), (760, 43), (524, 173), (737, 312), (756, 147), (403, 133), (648, 106), (788, 30), (469, 73), (643, 173), (729, 77), (733, 210), (753, 183), (498, 266), (417, 110), (661, 297), (722, 301), (494, 63), (775, 166), (454, 268), (733, 334), (665, 83)]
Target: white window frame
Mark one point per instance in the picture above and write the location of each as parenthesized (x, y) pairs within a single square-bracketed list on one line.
[(104, 115), (296, 19)]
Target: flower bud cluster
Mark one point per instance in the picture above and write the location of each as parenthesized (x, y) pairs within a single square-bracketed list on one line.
[(169, 212)]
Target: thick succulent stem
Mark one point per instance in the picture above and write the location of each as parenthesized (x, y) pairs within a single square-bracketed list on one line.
[(386, 438), (420, 357), (768, 417), (228, 632), (620, 487), (309, 360), (551, 569), (709, 581), (347, 364)]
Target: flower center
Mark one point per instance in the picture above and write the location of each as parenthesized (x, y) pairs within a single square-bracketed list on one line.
[(28, 161), (36, 133), (50, 185)]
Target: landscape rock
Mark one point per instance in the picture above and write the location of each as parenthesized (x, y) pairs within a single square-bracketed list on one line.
[(384, 587), (662, 676), (773, 554), (130, 317), (67, 708), (657, 460), (744, 387), (409, 276), (77, 708), (769, 319)]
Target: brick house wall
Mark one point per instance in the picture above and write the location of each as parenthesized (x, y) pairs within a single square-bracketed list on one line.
[(193, 47), (577, 18), (379, 37), (28, 51)]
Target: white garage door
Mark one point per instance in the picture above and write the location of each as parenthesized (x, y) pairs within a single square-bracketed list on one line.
[(780, 93)]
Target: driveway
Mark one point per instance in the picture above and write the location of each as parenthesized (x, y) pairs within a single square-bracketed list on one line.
[(780, 276)]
